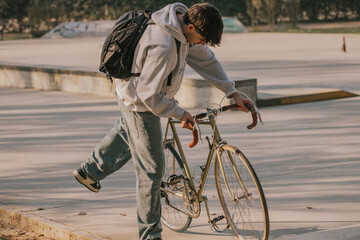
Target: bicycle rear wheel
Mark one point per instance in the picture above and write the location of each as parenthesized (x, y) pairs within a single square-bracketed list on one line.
[(241, 195), (174, 211)]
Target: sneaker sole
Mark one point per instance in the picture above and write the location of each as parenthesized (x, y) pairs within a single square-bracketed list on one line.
[(83, 181)]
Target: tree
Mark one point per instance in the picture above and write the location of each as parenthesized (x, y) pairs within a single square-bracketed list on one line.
[(293, 9), (10, 9), (355, 7), (311, 9), (253, 8), (269, 12)]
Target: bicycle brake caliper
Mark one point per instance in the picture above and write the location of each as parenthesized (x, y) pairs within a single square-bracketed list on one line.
[(220, 144)]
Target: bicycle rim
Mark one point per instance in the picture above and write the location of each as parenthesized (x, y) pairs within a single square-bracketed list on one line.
[(241, 195), (172, 204)]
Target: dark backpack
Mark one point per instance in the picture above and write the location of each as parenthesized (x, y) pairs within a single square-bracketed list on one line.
[(119, 47)]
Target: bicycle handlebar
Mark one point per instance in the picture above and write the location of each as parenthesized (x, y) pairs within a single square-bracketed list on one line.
[(199, 116)]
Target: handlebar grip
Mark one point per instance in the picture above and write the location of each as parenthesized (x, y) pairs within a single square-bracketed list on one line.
[(253, 114), (250, 107), (195, 136)]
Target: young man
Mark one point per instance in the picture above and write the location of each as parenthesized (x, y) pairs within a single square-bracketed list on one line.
[(144, 99)]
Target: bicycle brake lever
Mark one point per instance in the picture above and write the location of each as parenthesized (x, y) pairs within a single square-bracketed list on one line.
[(258, 113), (196, 126)]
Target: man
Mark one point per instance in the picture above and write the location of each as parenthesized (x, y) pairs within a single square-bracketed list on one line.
[(144, 99)]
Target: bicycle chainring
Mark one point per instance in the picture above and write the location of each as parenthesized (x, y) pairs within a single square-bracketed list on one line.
[(191, 201)]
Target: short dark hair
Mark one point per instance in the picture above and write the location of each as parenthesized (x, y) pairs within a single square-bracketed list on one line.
[(207, 21)]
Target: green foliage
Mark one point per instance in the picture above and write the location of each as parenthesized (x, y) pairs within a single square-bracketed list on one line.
[(14, 9), (42, 15), (330, 9)]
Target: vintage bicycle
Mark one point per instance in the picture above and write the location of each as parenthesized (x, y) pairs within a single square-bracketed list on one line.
[(238, 187)]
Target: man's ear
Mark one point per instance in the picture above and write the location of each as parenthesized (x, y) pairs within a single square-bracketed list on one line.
[(190, 27)]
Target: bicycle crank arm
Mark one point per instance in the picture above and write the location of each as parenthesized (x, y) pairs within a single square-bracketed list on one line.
[(213, 221), (169, 204), (171, 192)]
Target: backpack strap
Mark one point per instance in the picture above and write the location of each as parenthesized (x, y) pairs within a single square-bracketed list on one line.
[(178, 43), (149, 22)]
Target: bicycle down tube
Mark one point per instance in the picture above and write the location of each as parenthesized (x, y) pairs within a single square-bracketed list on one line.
[(217, 138)]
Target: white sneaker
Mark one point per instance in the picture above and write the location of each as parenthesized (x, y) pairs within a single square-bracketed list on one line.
[(81, 177)]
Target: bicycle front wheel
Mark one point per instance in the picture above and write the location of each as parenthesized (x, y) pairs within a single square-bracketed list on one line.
[(241, 195), (174, 210)]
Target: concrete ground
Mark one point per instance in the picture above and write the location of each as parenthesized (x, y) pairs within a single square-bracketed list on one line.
[(306, 155), (278, 60)]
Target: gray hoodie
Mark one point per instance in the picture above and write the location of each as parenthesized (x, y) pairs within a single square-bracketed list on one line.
[(156, 57)]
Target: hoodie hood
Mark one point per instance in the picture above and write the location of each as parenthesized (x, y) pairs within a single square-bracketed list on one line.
[(167, 20)]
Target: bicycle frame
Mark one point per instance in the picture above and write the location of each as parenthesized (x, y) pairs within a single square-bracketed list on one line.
[(217, 141), (227, 157)]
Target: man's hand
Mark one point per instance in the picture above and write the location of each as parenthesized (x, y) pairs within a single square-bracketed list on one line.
[(240, 101), (186, 119)]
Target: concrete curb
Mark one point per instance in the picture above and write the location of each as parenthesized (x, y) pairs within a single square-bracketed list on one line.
[(194, 93), (40, 225), (326, 94)]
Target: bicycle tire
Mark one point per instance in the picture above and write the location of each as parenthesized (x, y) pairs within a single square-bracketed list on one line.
[(174, 171), (246, 210)]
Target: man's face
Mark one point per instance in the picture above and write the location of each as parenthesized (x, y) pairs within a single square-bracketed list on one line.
[(192, 36)]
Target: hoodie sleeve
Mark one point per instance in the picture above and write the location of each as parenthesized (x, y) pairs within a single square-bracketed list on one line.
[(156, 69), (204, 62)]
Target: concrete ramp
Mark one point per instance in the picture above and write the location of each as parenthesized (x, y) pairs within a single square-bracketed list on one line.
[(80, 29), (233, 25)]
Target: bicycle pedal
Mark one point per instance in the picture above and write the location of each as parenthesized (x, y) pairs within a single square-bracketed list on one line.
[(217, 219)]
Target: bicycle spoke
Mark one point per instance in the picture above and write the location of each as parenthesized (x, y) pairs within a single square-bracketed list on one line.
[(241, 196), (174, 211)]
